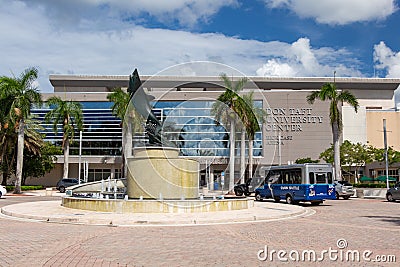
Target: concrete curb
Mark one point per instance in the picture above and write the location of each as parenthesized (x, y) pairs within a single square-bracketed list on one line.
[(53, 212)]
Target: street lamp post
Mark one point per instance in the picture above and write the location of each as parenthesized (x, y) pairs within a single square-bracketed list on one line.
[(386, 153)]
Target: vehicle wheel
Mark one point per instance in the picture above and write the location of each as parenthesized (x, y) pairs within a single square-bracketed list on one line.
[(289, 200), (389, 197), (238, 192), (258, 197), (277, 199), (61, 189), (1, 194), (346, 197), (247, 194), (337, 195), (316, 203)]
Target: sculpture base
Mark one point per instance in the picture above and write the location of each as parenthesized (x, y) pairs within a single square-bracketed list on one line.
[(158, 173)]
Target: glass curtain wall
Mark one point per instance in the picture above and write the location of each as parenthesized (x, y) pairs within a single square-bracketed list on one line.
[(193, 129), (189, 125), (101, 135)]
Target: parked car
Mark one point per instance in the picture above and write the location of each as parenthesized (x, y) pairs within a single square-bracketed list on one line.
[(66, 182), (393, 193), (3, 190), (343, 189)]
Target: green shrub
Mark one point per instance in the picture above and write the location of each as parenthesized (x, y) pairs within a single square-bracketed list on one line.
[(10, 188), (373, 185)]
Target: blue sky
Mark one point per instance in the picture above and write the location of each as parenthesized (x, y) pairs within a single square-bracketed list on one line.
[(286, 38)]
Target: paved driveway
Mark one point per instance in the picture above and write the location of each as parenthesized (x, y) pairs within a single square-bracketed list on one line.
[(336, 233)]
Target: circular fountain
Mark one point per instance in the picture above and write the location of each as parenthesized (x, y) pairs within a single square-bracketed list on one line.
[(158, 182)]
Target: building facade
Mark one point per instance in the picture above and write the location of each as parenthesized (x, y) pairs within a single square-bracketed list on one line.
[(293, 128)]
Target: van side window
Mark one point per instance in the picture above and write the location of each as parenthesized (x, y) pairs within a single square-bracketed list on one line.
[(296, 176), (312, 179), (286, 177), (330, 178)]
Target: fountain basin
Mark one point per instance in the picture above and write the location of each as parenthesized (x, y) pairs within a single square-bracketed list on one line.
[(157, 206)]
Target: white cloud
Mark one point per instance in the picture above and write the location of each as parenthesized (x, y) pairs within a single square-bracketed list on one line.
[(274, 67), (388, 60), (80, 12), (338, 12), (301, 60), (34, 41)]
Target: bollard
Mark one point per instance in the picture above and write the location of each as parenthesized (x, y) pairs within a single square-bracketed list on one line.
[(49, 191), (360, 193)]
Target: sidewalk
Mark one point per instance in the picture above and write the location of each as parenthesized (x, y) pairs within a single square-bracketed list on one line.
[(53, 212), (42, 193)]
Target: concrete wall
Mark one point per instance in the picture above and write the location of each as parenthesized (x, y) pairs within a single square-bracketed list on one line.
[(354, 124), (375, 128), (304, 129)]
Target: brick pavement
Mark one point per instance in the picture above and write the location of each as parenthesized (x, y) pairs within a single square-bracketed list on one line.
[(372, 224)]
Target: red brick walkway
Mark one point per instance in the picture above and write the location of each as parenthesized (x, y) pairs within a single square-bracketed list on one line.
[(367, 224)]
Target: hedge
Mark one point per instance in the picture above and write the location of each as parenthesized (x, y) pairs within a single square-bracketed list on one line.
[(10, 188), (373, 185)]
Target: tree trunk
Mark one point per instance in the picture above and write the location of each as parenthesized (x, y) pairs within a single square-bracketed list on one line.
[(66, 158), (242, 156), (336, 152), (250, 158), (4, 173), (5, 177), (20, 157), (232, 157)]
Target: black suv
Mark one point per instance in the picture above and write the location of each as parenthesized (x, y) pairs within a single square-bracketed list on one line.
[(66, 182), (245, 189)]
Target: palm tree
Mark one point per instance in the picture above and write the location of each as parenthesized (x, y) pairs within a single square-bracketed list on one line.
[(130, 121), (250, 125), (21, 94), (336, 97), (7, 147), (228, 106), (8, 138), (69, 114), (242, 153), (253, 125), (33, 141)]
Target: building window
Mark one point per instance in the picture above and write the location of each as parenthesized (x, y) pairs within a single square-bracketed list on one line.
[(392, 173), (117, 173), (97, 174)]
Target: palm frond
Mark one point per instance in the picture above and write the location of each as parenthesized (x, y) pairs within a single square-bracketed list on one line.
[(349, 98)]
